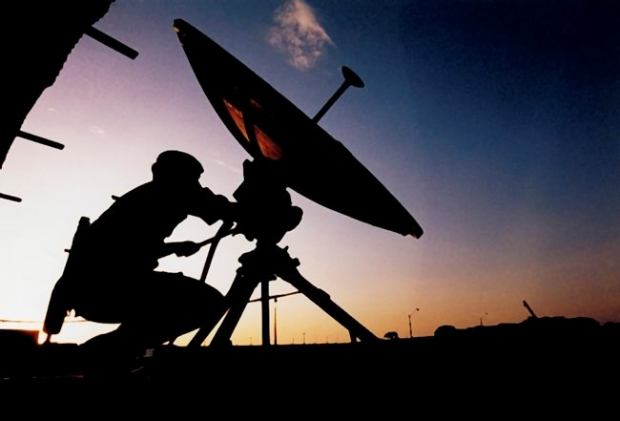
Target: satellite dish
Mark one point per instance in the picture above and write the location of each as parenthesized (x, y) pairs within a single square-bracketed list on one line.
[(268, 126)]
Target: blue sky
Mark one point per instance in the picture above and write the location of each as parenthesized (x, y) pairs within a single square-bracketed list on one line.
[(495, 124)]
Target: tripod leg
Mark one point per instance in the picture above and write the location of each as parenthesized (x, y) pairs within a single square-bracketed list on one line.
[(238, 298), (323, 300), (202, 334)]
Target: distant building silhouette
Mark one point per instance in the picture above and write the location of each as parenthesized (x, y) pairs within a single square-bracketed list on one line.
[(391, 335)]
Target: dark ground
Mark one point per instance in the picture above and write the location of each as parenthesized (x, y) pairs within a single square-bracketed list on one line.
[(543, 352), (541, 368)]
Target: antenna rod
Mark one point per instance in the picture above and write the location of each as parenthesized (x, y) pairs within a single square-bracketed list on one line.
[(9, 197), (110, 42), (38, 139), (529, 309), (350, 79)]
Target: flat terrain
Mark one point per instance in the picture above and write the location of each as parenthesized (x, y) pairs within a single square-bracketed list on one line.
[(537, 353)]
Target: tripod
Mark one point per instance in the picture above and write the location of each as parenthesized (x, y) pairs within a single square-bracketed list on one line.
[(265, 214), (260, 266)]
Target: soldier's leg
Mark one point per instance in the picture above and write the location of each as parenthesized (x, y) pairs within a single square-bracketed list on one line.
[(172, 305)]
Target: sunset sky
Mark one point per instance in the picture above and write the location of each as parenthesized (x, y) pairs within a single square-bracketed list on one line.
[(495, 123)]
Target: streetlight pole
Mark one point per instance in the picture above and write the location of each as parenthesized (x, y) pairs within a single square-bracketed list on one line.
[(481, 317), (410, 331)]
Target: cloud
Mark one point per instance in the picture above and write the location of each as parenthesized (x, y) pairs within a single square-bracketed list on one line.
[(298, 34), (97, 130), (226, 165)]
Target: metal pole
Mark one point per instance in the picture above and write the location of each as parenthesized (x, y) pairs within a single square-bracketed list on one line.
[(9, 197), (39, 139), (265, 311), (529, 309), (110, 42), (275, 322), (410, 332), (350, 79)]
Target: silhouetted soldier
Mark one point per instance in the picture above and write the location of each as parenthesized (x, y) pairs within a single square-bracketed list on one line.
[(116, 280)]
